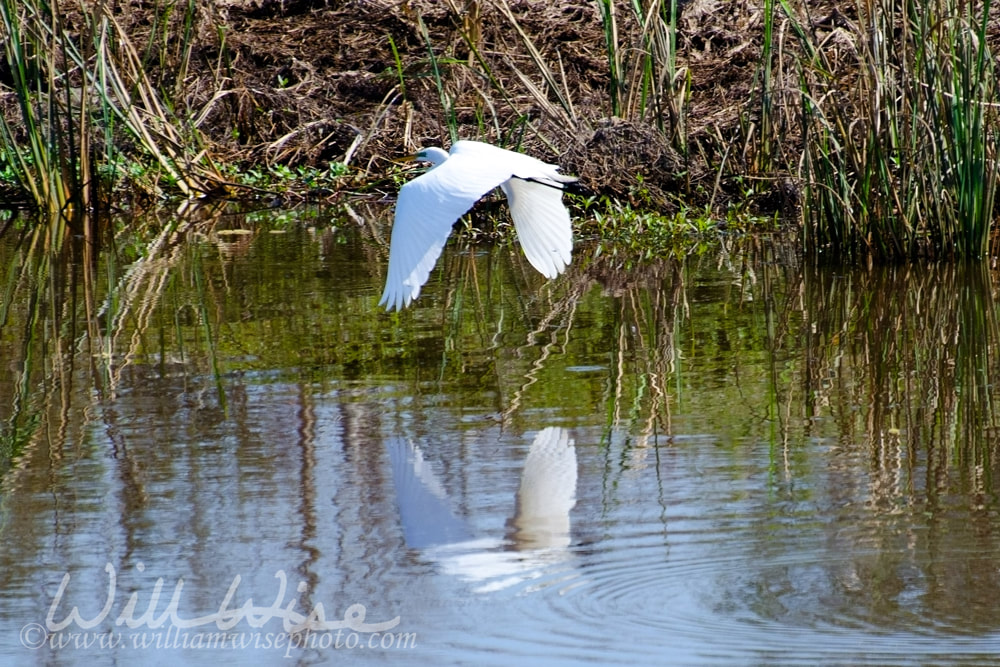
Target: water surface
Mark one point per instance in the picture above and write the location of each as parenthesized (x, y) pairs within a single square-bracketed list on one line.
[(724, 458)]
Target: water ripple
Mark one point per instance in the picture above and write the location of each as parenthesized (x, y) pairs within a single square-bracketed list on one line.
[(698, 601)]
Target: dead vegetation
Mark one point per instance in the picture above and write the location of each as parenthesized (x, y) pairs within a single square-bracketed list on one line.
[(662, 104), (311, 82)]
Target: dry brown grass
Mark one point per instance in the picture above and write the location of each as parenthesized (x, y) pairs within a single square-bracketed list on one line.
[(319, 83)]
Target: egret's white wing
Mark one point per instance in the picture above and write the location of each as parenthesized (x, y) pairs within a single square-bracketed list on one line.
[(426, 209), (542, 223)]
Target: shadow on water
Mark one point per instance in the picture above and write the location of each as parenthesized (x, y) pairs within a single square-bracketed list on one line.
[(722, 457)]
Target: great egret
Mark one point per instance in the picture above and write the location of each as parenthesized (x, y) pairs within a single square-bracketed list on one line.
[(430, 204)]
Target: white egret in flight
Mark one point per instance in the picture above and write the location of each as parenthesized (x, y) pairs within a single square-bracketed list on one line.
[(430, 204)]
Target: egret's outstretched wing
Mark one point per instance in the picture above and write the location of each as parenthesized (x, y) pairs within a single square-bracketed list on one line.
[(542, 223), (426, 209)]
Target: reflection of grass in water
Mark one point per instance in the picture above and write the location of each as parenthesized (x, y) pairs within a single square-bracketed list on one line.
[(976, 363), (66, 311), (646, 318), (525, 328), (154, 305), (23, 419), (29, 310), (206, 327), (915, 349)]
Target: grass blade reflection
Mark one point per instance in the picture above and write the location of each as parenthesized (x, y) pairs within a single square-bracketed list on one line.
[(904, 363)]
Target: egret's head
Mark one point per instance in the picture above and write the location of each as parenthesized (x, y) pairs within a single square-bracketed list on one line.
[(434, 155)]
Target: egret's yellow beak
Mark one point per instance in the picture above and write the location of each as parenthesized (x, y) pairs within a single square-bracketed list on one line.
[(406, 159)]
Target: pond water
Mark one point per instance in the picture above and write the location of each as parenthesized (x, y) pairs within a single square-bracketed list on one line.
[(222, 450)]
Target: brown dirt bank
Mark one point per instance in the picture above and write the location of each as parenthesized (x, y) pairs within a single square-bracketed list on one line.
[(308, 82)]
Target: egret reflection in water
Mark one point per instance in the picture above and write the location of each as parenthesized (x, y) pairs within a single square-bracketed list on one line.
[(537, 539)]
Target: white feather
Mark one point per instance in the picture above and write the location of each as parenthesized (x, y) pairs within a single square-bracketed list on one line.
[(542, 223)]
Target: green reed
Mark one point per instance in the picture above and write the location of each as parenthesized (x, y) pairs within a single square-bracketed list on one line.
[(616, 82), (83, 95), (767, 140), (644, 79), (899, 160), (32, 59), (447, 103)]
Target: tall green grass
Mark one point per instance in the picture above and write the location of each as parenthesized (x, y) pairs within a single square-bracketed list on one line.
[(645, 81), (894, 107), (446, 103), (900, 159), (86, 107), (39, 155), (765, 136)]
